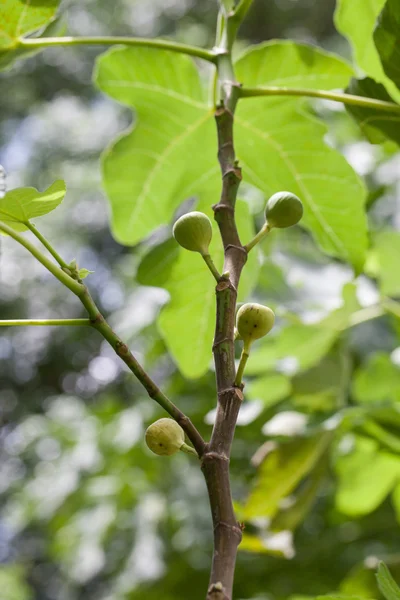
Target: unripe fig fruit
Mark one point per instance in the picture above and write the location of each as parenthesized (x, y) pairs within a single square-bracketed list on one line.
[(253, 321), (165, 437), (193, 231), (283, 209)]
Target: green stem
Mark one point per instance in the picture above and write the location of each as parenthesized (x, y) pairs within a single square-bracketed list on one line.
[(365, 314), (65, 279), (325, 95), (47, 245), (257, 238), (383, 436), (188, 450), (45, 322), (112, 40), (391, 306), (243, 360), (242, 10), (210, 264)]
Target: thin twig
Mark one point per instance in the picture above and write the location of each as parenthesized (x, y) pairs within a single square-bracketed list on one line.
[(114, 40), (350, 99), (44, 322)]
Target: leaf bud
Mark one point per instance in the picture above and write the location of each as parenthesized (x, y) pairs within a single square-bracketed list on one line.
[(283, 209), (254, 321), (165, 437), (193, 231)]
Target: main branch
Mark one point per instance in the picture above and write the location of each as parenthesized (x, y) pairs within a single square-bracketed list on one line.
[(215, 462)]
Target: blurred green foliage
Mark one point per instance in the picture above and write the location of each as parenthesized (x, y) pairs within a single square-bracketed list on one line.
[(86, 511)]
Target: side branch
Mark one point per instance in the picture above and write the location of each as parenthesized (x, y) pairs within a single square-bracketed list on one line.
[(170, 45), (97, 321), (122, 350), (350, 99), (44, 322)]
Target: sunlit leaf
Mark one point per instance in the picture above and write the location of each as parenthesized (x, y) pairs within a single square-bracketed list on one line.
[(170, 153), (378, 380), (19, 18), (281, 471), (280, 146), (366, 476), (387, 248), (21, 205), (270, 389)]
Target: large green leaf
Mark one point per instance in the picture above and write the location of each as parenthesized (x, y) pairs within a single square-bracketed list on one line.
[(170, 153), (21, 205), (280, 146), (356, 20), (287, 63), (18, 18), (386, 37), (378, 381), (281, 471), (377, 125), (365, 477)]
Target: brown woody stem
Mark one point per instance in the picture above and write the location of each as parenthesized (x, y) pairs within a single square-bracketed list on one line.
[(215, 461)]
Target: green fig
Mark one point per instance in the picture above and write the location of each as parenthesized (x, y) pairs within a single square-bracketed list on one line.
[(283, 209), (254, 321), (193, 231), (165, 437)]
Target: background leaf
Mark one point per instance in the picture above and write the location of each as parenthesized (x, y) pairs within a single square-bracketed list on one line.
[(280, 472), (386, 246), (12, 583), (364, 14), (365, 477), (21, 205), (386, 38), (379, 380), (386, 583), (377, 125), (21, 17)]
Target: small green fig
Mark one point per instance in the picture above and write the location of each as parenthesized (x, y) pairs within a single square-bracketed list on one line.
[(254, 321), (193, 231), (283, 209), (165, 437)]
